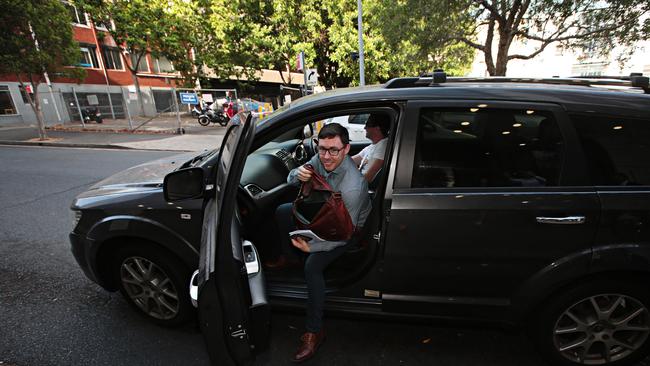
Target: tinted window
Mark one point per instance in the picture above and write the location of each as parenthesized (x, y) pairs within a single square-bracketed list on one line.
[(481, 147), (617, 149)]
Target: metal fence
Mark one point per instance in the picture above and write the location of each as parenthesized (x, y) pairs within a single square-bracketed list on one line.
[(107, 107)]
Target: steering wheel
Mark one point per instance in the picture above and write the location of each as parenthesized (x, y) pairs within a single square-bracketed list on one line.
[(304, 150)]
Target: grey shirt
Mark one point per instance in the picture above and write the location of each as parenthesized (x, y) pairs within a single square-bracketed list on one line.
[(346, 179)]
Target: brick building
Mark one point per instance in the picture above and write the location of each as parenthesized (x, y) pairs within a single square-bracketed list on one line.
[(109, 84)]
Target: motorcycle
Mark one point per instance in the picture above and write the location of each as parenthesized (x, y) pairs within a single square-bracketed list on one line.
[(91, 114), (213, 115), (197, 111)]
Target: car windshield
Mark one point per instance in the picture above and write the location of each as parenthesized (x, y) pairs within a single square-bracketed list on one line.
[(261, 119)]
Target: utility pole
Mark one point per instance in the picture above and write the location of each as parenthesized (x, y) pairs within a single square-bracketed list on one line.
[(362, 78), (304, 71)]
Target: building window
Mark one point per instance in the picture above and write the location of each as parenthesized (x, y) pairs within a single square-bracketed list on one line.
[(162, 65), (101, 25), (112, 58), (6, 103), (23, 94), (142, 66), (78, 17), (88, 57)]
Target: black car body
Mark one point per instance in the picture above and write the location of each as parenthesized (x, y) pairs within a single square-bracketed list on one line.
[(520, 202)]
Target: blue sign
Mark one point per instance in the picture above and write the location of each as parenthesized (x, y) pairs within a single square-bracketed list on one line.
[(189, 98)]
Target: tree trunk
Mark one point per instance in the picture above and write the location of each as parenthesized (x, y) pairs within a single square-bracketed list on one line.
[(36, 106), (502, 53), (138, 91), (501, 66), (487, 51)]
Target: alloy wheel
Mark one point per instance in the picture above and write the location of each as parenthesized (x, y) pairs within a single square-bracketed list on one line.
[(601, 329), (149, 287)]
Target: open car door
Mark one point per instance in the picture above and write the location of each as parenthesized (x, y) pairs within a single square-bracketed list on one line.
[(233, 310)]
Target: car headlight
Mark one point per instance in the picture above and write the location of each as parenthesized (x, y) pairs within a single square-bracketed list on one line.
[(76, 216)]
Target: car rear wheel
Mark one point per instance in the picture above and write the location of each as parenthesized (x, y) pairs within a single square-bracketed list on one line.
[(598, 323), (154, 283)]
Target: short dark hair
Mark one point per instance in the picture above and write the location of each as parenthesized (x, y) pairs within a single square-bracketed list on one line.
[(331, 130), (380, 120)]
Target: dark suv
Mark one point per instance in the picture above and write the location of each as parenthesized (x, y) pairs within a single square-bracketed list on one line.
[(524, 202)]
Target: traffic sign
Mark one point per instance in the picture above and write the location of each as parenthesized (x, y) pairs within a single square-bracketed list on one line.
[(312, 77), (189, 98)]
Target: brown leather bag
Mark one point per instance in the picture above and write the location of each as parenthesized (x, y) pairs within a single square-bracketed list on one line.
[(319, 209)]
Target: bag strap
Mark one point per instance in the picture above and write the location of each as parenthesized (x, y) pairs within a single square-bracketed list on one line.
[(316, 182)]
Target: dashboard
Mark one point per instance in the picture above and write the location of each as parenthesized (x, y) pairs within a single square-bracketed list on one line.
[(264, 178)]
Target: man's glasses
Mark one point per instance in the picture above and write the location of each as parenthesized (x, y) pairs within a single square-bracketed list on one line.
[(332, 150)]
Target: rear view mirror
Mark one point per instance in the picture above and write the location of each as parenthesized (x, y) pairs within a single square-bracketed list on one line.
[(183, 184), (307, 131)]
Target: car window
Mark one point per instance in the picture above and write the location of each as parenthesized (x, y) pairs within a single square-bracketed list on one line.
[(480, 147), (616, 149), (354, 123)]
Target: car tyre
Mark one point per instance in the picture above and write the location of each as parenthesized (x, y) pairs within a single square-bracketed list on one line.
[(154, 283), (597, 323)]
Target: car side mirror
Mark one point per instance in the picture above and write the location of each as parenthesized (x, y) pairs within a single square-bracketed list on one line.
[(183, 184)]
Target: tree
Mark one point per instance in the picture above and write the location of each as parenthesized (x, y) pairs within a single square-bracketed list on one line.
[(239, 38), (30, 48), (493, 25), (159, 27), (416, 34)]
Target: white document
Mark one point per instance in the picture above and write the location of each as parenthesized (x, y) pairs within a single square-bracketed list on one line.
[(309, 236)]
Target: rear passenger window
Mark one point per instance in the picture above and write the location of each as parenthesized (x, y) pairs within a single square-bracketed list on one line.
[(478, 147), (617, 149)]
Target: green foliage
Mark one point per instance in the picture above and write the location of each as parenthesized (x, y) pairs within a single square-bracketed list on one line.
[(250, 35), (19, 54), (36, 38), (418, 33), (169, 28)]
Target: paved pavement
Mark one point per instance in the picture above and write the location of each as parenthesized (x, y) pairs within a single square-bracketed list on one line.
[(160, 133)]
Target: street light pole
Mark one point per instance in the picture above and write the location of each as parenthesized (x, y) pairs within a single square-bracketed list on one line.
[(362, 78)]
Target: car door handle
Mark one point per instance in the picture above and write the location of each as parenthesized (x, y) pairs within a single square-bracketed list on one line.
[(568, 220)]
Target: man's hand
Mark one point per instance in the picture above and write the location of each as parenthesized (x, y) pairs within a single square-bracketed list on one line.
[(304, 175), (300, 243)]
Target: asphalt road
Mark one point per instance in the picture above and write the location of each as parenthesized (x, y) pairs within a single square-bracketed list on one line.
[(51, 314)]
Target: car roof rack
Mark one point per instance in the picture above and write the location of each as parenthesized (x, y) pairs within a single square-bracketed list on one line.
[(438, 77)]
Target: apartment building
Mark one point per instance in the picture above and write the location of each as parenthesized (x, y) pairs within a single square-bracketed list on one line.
[(109, 85)]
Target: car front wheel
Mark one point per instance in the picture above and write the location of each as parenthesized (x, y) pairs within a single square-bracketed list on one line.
[(597, 323), (154, 283)]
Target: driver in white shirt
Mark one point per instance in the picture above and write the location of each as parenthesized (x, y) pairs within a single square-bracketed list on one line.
[(371, 158)]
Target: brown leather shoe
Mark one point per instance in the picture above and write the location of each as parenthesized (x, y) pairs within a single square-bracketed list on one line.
[(281, 262), (309, 346)]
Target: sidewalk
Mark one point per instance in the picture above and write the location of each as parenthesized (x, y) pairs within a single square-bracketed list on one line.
[(158, 134)]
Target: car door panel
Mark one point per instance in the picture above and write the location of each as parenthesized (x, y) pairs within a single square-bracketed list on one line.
[(233, 310), (477, 245)]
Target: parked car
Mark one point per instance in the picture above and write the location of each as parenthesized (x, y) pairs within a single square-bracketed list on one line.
[(519, 201), (355, 124)]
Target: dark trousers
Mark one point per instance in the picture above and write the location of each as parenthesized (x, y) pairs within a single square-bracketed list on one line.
[(315, 264)]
